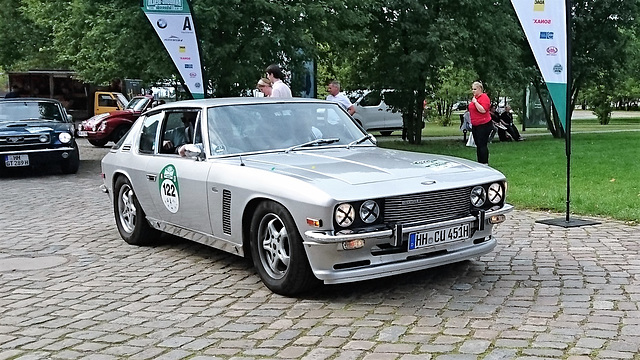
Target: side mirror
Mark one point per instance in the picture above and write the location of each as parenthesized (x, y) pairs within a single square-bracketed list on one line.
[(193, 151)]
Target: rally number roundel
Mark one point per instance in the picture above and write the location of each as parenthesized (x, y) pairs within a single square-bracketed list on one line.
[(169, 189)]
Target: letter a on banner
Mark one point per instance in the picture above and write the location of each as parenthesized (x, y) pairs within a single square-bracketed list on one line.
[(545, 25), (173, 23)]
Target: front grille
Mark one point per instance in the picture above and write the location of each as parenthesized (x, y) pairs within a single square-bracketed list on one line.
[(428, 207), (21, 140)]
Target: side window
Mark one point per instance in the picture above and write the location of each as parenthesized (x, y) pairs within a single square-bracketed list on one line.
[(107, 100), (148, 133), (178, 129), (371, 99)]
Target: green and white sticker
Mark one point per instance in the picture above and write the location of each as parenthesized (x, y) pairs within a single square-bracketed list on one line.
[(169, 189)]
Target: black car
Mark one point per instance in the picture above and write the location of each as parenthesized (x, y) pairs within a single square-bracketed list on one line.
[(36, 132)]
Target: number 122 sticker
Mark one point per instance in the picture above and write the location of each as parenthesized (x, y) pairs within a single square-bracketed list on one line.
[(169, 189)]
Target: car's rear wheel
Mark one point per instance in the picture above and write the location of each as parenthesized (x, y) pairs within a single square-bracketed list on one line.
[(277, 251), (130, 218), (71, 164), (98, 143), (119, 132)]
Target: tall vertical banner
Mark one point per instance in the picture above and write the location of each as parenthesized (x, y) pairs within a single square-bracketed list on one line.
[(545, 25), (174, 25)]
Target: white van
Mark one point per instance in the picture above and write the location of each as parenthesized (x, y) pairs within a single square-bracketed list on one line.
[(373, 113)]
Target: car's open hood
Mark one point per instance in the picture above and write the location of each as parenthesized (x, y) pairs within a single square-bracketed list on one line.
[(363, 165)]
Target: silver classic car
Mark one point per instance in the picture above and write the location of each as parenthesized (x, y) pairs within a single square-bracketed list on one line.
[(301, 189)]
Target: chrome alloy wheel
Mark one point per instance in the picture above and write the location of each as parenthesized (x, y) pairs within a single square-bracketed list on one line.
[(127, 207), (274, 246)]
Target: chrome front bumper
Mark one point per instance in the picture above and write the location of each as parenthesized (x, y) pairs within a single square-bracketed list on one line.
[(324, 238), (332, 264)]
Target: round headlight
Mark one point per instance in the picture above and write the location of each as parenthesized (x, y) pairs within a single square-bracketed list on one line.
[(495, 194), (478, 196), (43, 138), (369, 211), (345, 215), (64, 137)]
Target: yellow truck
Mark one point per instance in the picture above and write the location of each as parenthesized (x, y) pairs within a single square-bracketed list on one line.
[(82, 100)]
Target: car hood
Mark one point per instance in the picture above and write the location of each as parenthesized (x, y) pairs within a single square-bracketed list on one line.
[(368, 165), (127, 113), (9, 128)]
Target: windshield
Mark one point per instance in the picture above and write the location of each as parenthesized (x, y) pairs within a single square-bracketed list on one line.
[(30, 111), (138, 103), (122, 100), (262, 127)]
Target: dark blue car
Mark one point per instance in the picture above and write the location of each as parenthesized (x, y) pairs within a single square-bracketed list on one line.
[(35, 132)]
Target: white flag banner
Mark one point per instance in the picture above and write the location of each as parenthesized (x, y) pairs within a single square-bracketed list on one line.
[(174, 25), (545, 25)]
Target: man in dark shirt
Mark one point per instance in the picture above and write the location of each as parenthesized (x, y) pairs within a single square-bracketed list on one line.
[(507, 119)]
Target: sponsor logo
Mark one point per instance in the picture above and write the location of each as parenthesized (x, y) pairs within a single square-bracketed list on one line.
[(557, 68), (538, 5), (411, 202), (173, 38), (552, 51), (188, 66), (192, 75), (197, 85), (182, 48), (173, 5), (542, 21), (185, 58), (547, 35), (162, 23)]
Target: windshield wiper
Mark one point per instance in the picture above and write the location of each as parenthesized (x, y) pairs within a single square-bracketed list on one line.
[(312, 143), (361, 140)]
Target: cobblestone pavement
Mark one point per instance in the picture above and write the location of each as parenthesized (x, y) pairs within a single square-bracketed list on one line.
[(71, 288)]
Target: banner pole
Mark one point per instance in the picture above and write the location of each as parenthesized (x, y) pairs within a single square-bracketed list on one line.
[(568, 109)]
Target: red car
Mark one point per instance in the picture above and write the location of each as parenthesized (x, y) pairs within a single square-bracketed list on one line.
[(112, 126)]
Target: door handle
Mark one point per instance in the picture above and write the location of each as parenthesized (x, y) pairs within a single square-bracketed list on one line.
[(151, 177)]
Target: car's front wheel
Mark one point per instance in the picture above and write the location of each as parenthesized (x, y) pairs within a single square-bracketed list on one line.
[(277, 251), (119, 132), (71, 164), (130, 218), (98, 143)]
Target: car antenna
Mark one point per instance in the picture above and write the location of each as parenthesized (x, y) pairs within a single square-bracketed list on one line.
[(241, 162)]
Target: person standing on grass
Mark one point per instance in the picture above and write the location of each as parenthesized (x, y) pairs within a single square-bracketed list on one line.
[(481, 124)]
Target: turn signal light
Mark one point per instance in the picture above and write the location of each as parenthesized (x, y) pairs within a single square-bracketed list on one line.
[(314, 222), (497, 219), (353, 244)]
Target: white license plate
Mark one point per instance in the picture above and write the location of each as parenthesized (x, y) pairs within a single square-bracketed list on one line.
[(82, 133), (419, 240), (16, 160)]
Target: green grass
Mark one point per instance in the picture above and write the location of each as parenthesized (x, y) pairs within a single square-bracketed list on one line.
[(605, 173), (433, 129)]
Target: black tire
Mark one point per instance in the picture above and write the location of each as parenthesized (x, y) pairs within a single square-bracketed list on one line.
[(130, 218), (119, 132), (385, 132), (277, 251), (98, 143), (71, 164)]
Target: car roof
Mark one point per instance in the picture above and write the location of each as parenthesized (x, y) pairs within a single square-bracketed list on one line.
[(203, 103), (30, 99)]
